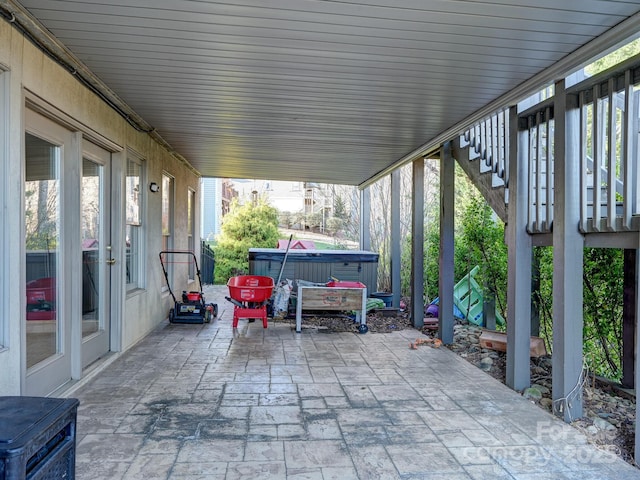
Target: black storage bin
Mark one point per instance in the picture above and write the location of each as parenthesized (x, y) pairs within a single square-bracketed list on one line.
[(37, 438)]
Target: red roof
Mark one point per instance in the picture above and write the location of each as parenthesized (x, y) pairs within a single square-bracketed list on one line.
[(89, 243), (296, 244)]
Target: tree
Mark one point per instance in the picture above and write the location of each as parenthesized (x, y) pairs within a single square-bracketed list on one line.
[(482, 243), (245, 226), (340, 208), (603, 299), (615, 57), (314, 221), (602, 307), (335, 226), (287, 219), (478, 240)]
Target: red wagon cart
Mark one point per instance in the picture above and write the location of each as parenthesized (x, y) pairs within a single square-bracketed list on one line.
[(249, 295)]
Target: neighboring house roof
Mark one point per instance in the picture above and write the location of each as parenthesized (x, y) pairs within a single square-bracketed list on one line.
[(297, 244), (89, 243)]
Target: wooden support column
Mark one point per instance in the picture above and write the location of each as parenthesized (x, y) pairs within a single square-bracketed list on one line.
[(365, 219), (445, 287), (630, 269), (396, 241), (568, 253), (417, 245), (519, 252)]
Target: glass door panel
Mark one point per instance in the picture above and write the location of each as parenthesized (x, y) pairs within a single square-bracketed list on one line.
[(92, 262), (96, 252), (42, 246)]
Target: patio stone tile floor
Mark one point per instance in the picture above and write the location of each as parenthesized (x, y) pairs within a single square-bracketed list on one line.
[(207, 402)]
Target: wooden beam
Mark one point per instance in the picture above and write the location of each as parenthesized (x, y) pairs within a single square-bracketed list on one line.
[(417, 245), (568, 253), (365, 219), (445, 287), (396, 241), (519, 252)]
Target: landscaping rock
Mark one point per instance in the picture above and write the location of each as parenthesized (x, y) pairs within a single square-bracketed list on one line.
[(543, 390), (602, 424), (546, 403), (532, 393), (486, 363)]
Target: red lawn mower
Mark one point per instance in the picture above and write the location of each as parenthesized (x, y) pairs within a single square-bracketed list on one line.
[(192, 308)]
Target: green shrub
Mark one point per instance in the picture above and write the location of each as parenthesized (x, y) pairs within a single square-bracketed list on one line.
[(245, 226)]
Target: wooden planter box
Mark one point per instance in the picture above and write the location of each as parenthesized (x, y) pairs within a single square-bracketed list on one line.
[(331, 298), (498, 341)]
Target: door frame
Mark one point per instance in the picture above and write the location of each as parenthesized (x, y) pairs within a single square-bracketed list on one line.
[(47, 375), (71, 269), (93, 347)]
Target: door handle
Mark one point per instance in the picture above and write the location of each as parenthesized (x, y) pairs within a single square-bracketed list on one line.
[(111, 261)]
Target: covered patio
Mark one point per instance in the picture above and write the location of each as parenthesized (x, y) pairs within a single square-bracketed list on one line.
[(161, 93), (203, 401)]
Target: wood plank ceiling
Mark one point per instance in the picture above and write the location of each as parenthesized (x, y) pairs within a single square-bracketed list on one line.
[(318, 90)]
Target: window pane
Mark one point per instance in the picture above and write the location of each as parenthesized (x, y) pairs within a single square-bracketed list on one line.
[(167, 197), (133, 255), (92, 264), (191, 199), (133, 233), (42, 237), (133, 192), (167, 224), (190, 212)]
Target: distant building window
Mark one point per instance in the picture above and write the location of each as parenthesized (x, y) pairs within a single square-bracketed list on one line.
[(296, 186)]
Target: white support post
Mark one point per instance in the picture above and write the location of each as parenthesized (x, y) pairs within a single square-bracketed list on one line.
[(396, 241), (568, 254), (365, 219), (417, 245), (446, 284), (518, 375)]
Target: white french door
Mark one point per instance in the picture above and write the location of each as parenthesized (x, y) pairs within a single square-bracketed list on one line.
[(96, 251), (67, 185), (47, 320)]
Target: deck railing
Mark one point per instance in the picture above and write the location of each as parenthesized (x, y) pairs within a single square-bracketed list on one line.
[(608, 137), (537, 135), (488, 141), (609, 151)]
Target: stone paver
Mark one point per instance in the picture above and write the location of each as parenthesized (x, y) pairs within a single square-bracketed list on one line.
[(207, 402)]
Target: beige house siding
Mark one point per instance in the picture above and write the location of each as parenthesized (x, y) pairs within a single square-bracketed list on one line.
[(30, 76)]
